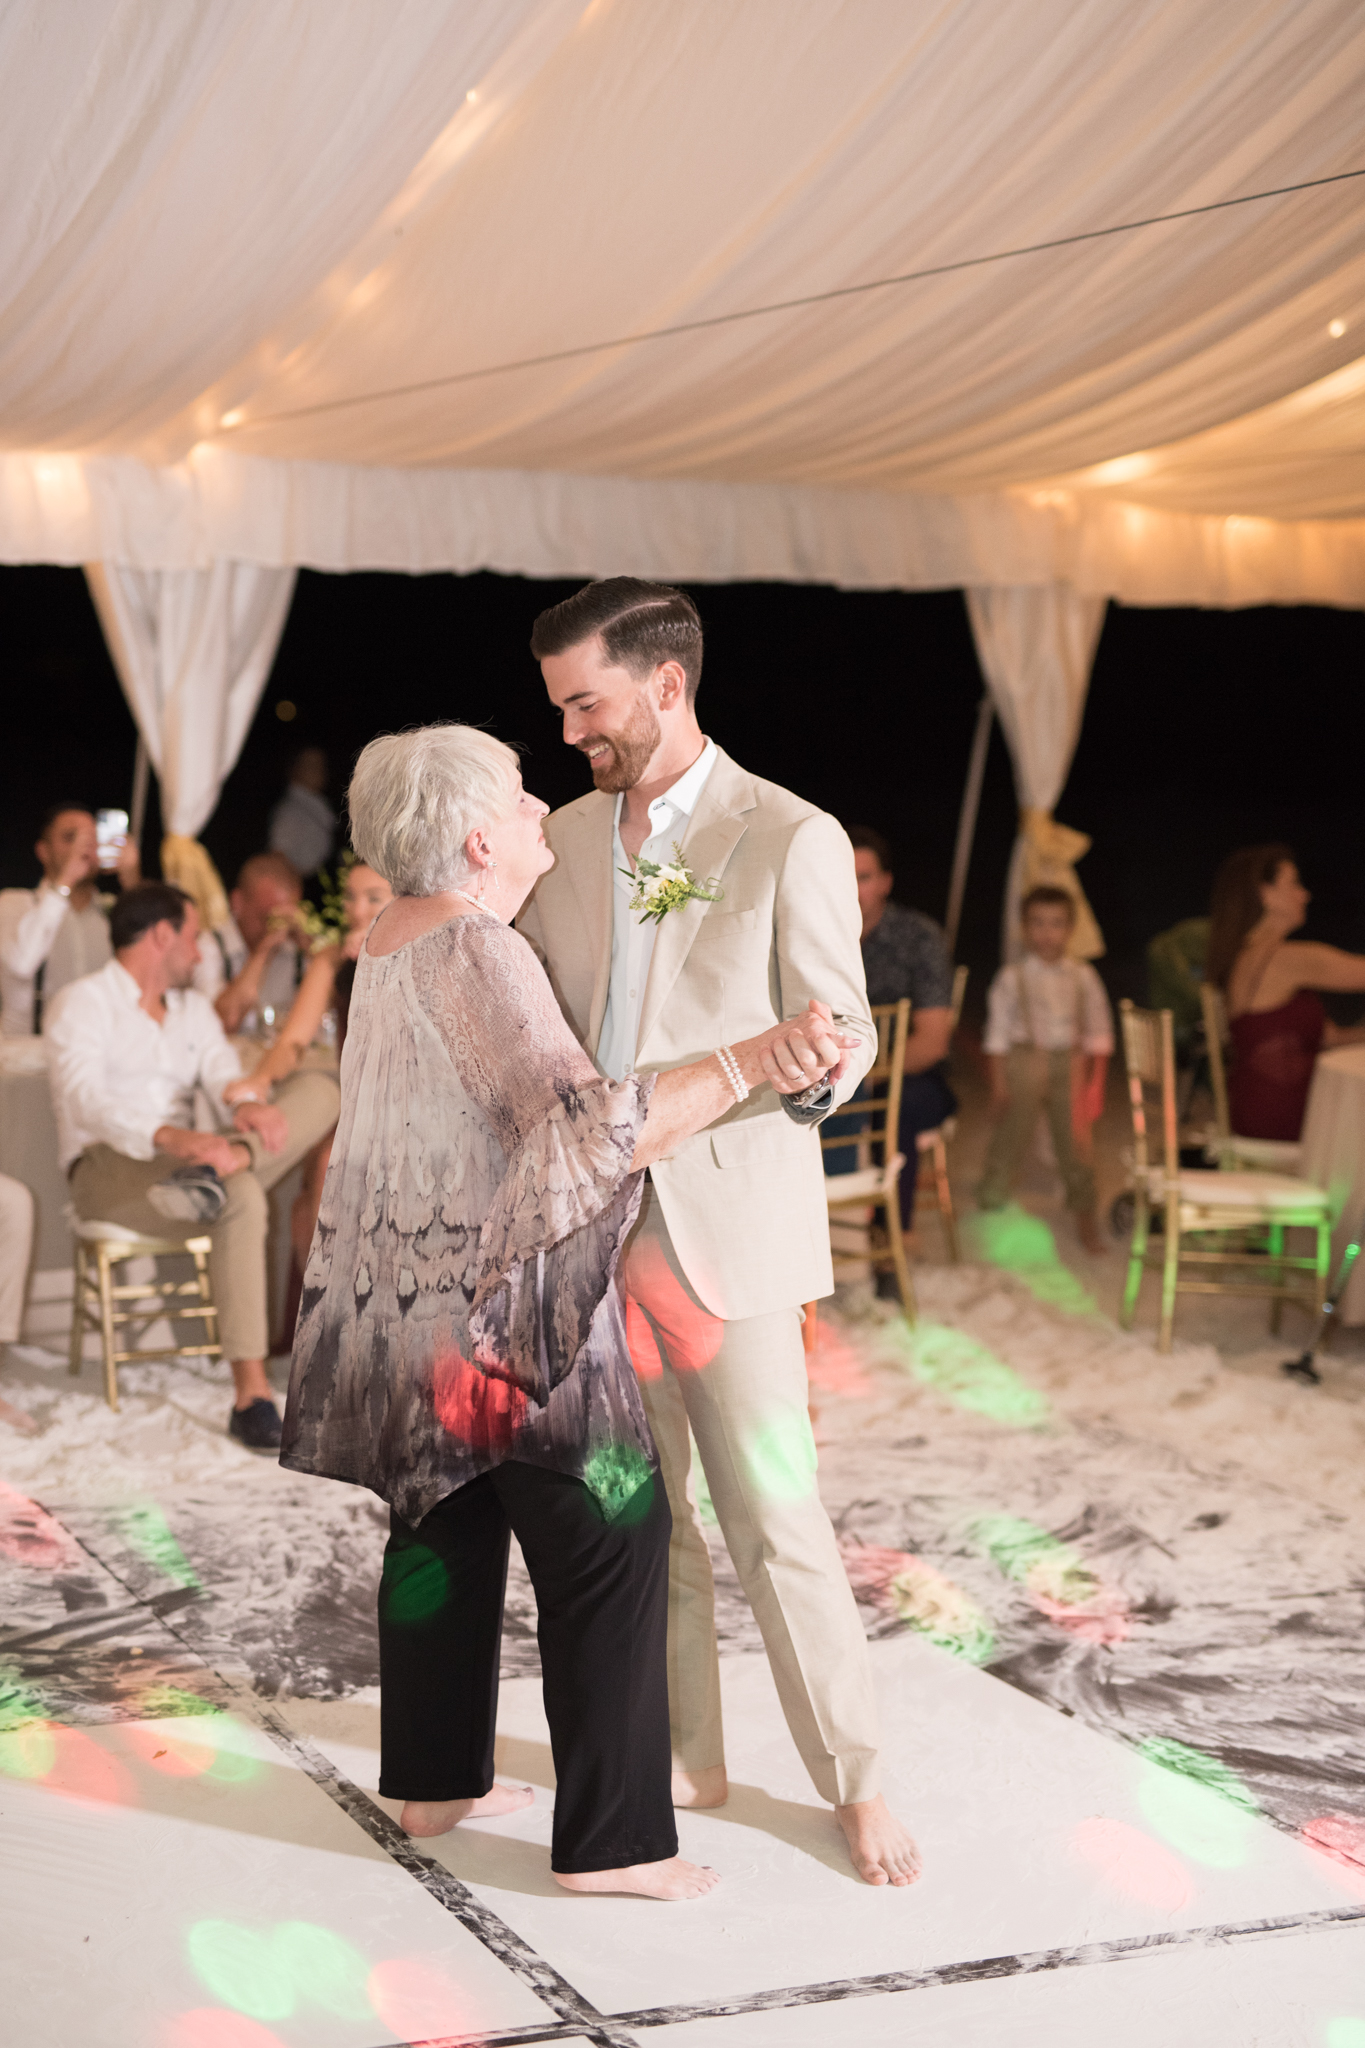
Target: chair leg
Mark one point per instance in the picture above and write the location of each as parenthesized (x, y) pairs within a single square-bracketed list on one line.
[(78, 1293), (896, 1241), (944, 1195), (1276, 1247), (1169, 1274), (1137, 1253), (107, 1325), (1323, 1270)]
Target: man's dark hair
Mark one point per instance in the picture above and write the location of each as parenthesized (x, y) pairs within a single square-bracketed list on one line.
[(875, 842), (137, 910), (641, 624), (55, 811), (1049, 893)]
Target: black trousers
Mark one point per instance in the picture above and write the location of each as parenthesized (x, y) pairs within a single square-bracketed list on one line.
[(602, 1606)]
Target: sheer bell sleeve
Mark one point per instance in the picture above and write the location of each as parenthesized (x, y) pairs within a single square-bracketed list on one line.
[(550, 1242)]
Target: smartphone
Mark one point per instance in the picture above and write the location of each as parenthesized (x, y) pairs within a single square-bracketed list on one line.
[(111, 836)]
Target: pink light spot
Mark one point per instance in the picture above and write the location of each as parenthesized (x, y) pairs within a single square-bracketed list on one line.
[(835, 1367), (30, 1536), (1103, 1618), (871, 1569), (416, 1999), (644, 1352), (80, 1769), (211, 2026), (481, 1411), (1337, 1844), (1133, 1863)]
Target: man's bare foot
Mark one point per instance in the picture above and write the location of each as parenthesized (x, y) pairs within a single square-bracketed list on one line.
[(439, 1816), (882, 1850), (1088, 1231), (701, 1788), (671, 1879)]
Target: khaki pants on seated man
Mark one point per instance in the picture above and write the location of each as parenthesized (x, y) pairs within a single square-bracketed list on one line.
[(108, 1187)]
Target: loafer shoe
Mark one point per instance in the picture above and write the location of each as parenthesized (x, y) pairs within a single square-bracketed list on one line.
[(192, 1194), (258, 1427)]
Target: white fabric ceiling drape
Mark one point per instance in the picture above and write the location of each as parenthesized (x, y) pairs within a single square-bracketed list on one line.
[(193, 649), (1036, 647)]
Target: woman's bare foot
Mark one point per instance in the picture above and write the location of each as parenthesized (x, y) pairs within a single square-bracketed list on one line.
[(671, 1879), (701, 1788), (883, 1852), (439, 1816)]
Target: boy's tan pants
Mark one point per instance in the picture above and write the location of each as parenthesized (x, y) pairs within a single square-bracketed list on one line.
[(1038, 1082)]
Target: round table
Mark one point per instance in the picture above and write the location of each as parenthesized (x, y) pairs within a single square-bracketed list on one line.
[(1334, 1156)]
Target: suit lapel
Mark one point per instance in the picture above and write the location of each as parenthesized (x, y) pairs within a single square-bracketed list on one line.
[(714, 831), (587, 861)]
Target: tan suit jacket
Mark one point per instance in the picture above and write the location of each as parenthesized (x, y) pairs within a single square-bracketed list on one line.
[(744, 1200)]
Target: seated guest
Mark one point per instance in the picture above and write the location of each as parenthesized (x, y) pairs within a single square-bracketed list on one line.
[(1275, 1021), (256, 960), (326, 986), (128, 1048), (906, 954), (303, 825), (55, 933)]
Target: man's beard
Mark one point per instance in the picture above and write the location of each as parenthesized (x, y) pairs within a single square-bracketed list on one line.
[(629, 751)]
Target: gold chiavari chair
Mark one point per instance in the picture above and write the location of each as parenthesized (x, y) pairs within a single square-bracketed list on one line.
[(102, 1305), (1236, 1219), (869, 1196), (932, 1191), (1269, 1155)]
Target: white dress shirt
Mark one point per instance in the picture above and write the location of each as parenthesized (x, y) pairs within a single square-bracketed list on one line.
[(223, 953), (633, 936), (1054, 1005), (303, 827), (38, 928), (117, 1075)]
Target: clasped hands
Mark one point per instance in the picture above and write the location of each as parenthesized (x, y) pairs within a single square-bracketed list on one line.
[(803, 1050), (219, 1149)]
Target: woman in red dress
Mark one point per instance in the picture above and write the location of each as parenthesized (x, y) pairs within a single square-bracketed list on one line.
[(1275, 1020)]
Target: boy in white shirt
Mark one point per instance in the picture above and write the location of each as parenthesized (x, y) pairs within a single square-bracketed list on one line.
[(1049, 1036)]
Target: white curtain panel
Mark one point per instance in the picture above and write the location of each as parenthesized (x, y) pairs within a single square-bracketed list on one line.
[(193, 649), (1036, 646)]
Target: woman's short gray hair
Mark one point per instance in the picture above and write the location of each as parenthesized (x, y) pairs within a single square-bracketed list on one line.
[(415, 797)]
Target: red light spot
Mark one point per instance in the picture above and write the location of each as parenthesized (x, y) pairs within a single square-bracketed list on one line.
[(30, 1536), (1133, 1863), (415, 1998), (644, 1352), (1337, 1842), (179, 1756), (835, 1367), (665, 1311), (481, 1411), (1101, 1619), (82, 1770), (211, 2026)]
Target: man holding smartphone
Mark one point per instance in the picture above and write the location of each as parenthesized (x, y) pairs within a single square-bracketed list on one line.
[(59, 931)]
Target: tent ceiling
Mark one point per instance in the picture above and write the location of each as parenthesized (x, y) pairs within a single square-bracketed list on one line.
[(469, 183)]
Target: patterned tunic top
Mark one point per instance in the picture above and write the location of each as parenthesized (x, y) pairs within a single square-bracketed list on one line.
[(460, 1305)]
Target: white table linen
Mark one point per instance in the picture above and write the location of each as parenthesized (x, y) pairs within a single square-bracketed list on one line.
[(1334, 1156)]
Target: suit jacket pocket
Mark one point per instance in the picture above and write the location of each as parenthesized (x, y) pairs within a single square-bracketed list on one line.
[(759, 1141), (720, 923)]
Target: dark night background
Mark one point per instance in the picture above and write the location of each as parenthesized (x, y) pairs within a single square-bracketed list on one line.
[(1204, 729)]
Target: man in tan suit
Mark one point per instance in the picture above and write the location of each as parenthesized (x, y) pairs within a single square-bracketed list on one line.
[(733, 1232)]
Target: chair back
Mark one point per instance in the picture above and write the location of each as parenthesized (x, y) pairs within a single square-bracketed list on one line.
[(878, 1111), (1149, 1056), (959, 991), (1214, 1005)]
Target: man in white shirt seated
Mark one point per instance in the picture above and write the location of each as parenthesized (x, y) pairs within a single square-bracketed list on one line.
[(128, 1047), (256, 960), (55, 933)]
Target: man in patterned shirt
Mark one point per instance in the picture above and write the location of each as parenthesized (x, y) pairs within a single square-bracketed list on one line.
[(906, 954)]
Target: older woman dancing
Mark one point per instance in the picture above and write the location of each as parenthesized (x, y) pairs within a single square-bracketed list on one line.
[(461, 1346)]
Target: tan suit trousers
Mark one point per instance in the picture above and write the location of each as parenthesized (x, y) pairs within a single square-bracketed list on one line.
[(108, 1187), (741, 1386), (1039, 1082), (16, 1249)]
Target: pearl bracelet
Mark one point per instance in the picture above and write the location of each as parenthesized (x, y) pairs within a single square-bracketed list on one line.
[(729, 1066)]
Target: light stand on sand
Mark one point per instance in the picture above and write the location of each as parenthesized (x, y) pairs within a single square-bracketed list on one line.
[(1303, 1368)]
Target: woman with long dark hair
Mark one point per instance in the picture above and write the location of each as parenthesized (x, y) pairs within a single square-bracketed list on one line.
[(1276, 1022)]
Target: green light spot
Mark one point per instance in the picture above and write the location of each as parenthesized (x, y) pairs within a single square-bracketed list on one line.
[(242, 1969), (620, 1477), (323, 1968), (161, 1702), (415, 1584), (29, 1751), (782, 1458), (18, 1705), (1198, 1805), (1035, 1559), (1022, 1244), (145, 1529), (1345, 2032), (935, 1608), (967, 1374)]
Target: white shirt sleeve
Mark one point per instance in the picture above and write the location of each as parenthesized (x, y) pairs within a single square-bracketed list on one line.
[(1002, 1013), (1097, 1019), (209, 976), (28, 933), (86, 1093)]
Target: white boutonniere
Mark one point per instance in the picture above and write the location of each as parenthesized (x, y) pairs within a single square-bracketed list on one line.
[(660, 888)]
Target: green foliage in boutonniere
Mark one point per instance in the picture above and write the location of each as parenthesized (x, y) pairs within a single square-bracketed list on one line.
[(659, 889), (329, 925)]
